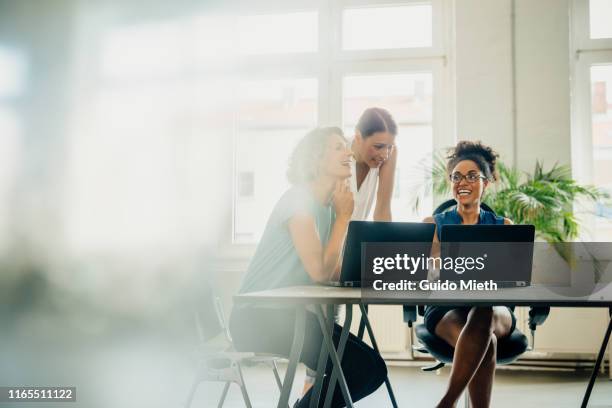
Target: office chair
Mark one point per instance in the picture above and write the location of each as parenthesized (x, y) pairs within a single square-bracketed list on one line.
[(508, 349), (217, 359)]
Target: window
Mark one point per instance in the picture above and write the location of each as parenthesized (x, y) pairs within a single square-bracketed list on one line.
[(600, 18), (145, 50), (278, 33), (347, 73), (592, 106), (409, 97), (223, 37), (334, 86), (601, 113), (234, 91), (601, 125), (371, 28), (162, 101), (271, 117)]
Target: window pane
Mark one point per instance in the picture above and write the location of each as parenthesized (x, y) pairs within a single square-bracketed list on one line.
[(387, 27), (278, 33), (170, 47), (214, 37), (600, 18), (272, 116), (146, 50), (601, 111), (409, 99)]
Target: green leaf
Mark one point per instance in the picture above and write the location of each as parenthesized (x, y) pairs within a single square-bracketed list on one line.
[(544, 198)]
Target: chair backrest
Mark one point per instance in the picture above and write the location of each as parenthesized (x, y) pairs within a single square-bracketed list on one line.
[(420, 309), (451, 203), (209, 317)]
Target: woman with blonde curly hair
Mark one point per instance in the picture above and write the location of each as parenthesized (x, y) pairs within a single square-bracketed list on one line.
[(301, 244)]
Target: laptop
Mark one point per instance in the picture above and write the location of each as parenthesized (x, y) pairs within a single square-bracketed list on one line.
[(360, 232), (507, 260)]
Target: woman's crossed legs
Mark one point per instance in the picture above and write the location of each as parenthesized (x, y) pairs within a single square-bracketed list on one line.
[(474, 334)]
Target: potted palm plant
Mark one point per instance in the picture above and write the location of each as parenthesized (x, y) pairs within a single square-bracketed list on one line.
[(544, 198)]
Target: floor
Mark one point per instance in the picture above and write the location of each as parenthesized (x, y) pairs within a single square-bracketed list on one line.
[(117, 373), (414, 388)]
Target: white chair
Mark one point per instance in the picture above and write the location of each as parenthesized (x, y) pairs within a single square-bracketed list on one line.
[(217, 359)]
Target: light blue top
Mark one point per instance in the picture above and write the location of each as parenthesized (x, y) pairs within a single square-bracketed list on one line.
[(276, 262), (452, 217)]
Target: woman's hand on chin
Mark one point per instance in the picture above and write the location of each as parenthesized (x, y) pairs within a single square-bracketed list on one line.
[(343, 200)]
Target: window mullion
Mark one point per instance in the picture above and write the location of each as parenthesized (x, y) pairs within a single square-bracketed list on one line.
[(334, 69), (325, 101)]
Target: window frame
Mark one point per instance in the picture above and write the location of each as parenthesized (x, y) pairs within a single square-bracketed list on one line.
[(331, 63), (437, 49), (581, 29), (584, 53), (328, 65)]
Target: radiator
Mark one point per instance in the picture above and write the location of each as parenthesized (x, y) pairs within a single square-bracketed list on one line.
[(392, 334)]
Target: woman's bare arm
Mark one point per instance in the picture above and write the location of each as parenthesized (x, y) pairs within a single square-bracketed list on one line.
[(322, 263), (386, 180)]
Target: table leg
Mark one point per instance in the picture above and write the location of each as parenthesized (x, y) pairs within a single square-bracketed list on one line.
[(602, 351), (294, 356), (341, 345), (322, 362), (334, 357), (362, 324), (364, 317)]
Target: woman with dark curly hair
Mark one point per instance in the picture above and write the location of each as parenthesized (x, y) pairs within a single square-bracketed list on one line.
[(301, 244), (472, 331)]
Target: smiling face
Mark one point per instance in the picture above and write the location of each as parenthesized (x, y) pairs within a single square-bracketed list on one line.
[(336, 160), (373, 150), (464, 192)]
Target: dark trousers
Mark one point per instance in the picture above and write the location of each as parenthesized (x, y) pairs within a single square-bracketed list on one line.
[(271, 331)]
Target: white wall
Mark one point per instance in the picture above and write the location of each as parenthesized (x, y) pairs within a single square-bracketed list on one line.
[(485, 74), (543, 82)]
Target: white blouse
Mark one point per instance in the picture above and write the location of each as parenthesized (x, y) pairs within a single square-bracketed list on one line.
[(365, 196)]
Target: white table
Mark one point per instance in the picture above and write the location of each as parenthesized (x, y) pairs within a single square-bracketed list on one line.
[(317, 296)]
